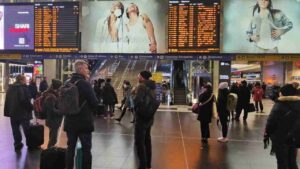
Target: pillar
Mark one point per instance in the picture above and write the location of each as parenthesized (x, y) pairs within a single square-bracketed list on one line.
[(50, 69), (215, 74)]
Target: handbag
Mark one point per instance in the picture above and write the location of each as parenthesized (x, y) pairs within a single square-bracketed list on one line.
[(250, 107), (195, 108)]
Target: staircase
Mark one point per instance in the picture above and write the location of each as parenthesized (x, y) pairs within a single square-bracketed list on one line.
[(179, 97)]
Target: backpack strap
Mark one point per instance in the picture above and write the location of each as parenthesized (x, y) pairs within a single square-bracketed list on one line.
[(75, 83)]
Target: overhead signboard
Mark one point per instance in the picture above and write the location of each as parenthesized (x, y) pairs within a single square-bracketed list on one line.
[(281, 58)]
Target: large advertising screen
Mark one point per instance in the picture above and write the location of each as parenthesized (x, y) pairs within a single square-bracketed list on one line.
[(261, 26), (131, 26), (16, 27)]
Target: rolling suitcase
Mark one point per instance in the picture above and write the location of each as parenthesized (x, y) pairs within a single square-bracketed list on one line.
[(35, 136), (78, 158), (53, 158)]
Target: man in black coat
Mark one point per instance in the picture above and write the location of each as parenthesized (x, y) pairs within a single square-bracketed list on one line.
[(279, 124), (109, 99), (43, 85), (81, 125), (142, 132), (19, 109), (244, 96)]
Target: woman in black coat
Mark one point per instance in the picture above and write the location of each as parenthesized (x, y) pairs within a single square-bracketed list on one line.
[(223, 113), (206, 100)]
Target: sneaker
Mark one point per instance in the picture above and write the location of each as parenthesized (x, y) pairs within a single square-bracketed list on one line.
[(223, 139)]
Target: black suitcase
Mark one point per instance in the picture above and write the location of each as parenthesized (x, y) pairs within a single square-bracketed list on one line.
[(53, 158), (35, 137)]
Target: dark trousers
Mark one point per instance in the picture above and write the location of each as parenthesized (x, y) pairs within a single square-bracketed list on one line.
[(204, 130), (109, 109), (52, 136), (239, 111), (286, 156), (124, 111), (86, 142), (15, 125), (142, 139), (260, 105), (224, 122)]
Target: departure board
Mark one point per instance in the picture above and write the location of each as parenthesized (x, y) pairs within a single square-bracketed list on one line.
[(194, 26), (57, 27)]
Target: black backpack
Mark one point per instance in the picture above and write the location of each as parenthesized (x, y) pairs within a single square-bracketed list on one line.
[(148, 107)]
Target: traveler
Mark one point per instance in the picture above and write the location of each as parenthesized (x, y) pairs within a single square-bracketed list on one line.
[(234, 92), (19, 109), (258, 94), (279, 124), (43, 85), (243, 101), (109, 99), (81, 125), (33, 89), (206, 100), (142, 133), (53, 118), (223, 113)]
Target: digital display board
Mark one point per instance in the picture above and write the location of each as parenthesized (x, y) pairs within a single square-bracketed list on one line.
[(261, 26), (56, 27), (125, 26), (194, 26), (16, 27)]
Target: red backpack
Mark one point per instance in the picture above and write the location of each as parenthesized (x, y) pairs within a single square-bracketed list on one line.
[(38, 106)]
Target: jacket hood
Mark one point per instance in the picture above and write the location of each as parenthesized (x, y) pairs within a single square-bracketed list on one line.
[(150, 84), (223, 85), (289, 98)]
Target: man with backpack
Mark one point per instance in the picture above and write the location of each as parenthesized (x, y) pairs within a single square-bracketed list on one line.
[(19, 109), (79, 124), (283, 127), (145, 106)]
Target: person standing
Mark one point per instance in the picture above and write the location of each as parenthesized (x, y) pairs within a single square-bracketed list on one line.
[(19, 108), (54, 119), (280, 121), (142, 132), (258, 94), (109, 98), (33, 89), (243, 101), (223, 113), (81, 125), (206, 100), (43, 85)]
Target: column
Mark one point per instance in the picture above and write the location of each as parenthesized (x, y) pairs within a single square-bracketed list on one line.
[(215, 75), (50, 69)]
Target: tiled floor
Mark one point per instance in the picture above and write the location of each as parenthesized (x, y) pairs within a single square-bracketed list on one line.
[(175, 140)]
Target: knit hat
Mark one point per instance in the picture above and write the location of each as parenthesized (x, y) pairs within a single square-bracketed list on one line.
[(288, 90), (146, 74), (56, 83), (223, 85)]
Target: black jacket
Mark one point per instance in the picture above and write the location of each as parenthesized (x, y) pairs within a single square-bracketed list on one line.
[(43, 86), (222, 102), (206, 110), (17, 102), (281, 118), (244, 96), (138, 96), (109, 95), (84, 121)]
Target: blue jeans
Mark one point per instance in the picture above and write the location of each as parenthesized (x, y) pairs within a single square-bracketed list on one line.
[(86, 142), (15, 125)]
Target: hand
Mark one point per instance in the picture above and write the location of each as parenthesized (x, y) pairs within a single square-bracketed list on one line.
[(153, 48), (276, 33), (255, 38), (266, 141)]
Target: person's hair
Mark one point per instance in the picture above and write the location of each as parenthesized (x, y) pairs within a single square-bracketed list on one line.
[(288, 90), (137, 10), (208, 88), (108, 80), (20, 78), (121, 6), (257, 84), (78, 64), (270, 8)]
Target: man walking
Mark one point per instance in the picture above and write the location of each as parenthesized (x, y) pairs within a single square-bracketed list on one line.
[(81, 125)]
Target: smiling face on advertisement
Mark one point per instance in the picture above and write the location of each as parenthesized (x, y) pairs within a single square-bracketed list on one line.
[(117, 9), (264, 4)]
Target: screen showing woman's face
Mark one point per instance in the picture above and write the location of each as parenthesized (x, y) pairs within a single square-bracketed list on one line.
[(263, 3)]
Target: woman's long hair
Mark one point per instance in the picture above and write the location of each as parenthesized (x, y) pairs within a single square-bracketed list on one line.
[(270, 8)]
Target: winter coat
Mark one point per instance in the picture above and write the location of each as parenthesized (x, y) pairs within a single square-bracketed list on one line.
[(258, 93), (281, 119), (53, 119), (17, 102), (222, 103), (206, 110), (109, 95), (33, 90), (243, 96), (138, 95), (232, 101), (128, 97), (83, 122)]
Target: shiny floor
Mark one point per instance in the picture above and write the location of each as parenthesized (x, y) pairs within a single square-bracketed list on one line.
[(175, 139)]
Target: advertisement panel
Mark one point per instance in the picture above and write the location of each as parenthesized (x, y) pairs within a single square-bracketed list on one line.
[(261, 26), (19, 27), (1, 27), (134, 26)]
